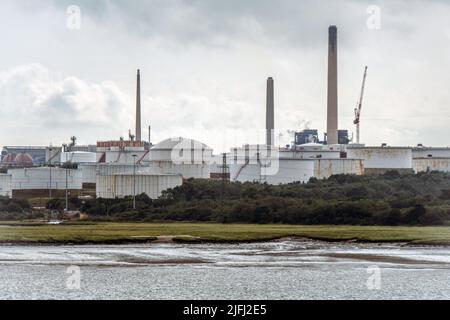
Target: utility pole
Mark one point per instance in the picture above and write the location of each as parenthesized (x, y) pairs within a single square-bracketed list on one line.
[(224, 177), (134, 181), (67, 198), (50, 172)]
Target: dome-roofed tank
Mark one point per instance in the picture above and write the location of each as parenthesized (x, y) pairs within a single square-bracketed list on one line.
[(181, 150), (187, 157)]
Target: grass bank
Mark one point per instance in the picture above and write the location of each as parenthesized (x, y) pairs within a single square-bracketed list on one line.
[(84, 233)]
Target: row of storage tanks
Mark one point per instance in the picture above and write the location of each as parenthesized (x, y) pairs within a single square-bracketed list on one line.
[(127, 170), (118, 169), (275, 166)]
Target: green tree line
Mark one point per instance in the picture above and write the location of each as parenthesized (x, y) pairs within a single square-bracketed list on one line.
[(389, 199)]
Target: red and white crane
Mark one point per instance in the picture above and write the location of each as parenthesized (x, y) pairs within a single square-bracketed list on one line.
[(358, 108)]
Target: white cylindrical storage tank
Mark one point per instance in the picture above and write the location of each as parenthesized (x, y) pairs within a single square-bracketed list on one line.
[(387, 158), (122, 185), (79, 157), (5, 185), (310, 154), (431, 152), (125, 156), (431, 164), (311, 150), (91, 171), (289, 171), (45, 178), (187, 157), (261, 163), (325, 168)]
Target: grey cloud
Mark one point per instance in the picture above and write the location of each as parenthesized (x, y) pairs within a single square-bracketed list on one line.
[(205, 62), (58, 102)]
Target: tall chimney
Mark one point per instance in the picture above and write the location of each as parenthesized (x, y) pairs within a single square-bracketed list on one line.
[(270, 122), (332, 106), (138, 107)]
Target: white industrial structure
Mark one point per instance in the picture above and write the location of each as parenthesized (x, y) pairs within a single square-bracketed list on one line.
[(45, 178), (5, 185), (129, 184), (382, 159), (90, 171), (187, 157), (288, 171), (121, 152), (78, 157), (431, 152), (311, 151), (53, 155), (325, 168), (427, 159), (262, 163), (431, 164)]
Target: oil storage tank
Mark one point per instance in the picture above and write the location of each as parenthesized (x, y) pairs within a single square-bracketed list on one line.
[(325, 168), (5, 185), (261, 163), (187, 157), (431, 164), (378, 160), (43, 178), (78, 157), (430, 152), (125, 184), (90, 171)]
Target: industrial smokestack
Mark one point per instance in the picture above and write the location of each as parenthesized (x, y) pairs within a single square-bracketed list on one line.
[(138, 107), (270, 121), (332, 105)]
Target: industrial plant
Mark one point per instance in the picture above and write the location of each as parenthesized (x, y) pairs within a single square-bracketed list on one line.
[(132, 166)]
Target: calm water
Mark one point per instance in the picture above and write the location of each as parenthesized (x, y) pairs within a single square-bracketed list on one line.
[(275, 270)]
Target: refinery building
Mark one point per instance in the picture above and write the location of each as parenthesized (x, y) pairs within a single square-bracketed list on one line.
[(120, 168)]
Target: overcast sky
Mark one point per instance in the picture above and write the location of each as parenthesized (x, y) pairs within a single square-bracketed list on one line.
[(204, 65)]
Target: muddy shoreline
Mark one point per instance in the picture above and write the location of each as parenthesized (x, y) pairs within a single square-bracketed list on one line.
[(197, 240)]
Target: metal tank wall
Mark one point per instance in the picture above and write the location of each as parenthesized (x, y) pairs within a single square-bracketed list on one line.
[(288, 171), (431, 164), (121, 185), (310, 154), (426, 152), (79, 157), (39, 178), (187, 157), (181, 151), (197, 171), (91, 171), (5, 185), (325, 168), (122, 157), (382, 157)]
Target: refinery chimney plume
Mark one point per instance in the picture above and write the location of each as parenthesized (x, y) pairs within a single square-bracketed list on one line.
[(270, 122), (138, 107), (332, 104)]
